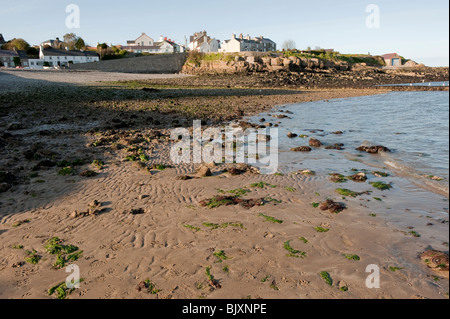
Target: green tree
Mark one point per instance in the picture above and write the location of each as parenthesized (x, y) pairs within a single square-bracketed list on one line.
[(16, 60), (16, 44), (70, 39), (80, 44)]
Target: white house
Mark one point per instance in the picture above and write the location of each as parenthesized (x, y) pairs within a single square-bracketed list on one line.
[(247, 44), (35, 64), (201, 42), (145, 44), (58, 58)]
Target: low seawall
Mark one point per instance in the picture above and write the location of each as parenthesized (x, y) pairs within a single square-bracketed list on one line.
[(167, 63)]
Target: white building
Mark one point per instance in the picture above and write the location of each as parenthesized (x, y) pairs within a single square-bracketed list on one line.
[(247, 44), (59, 58), (145, 44), (201, 42)]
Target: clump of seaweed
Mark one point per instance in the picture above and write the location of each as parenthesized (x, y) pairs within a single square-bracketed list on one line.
[(292, 252), (61, 290), (326, 277), (381, 186), (148, 286), (271, 219)]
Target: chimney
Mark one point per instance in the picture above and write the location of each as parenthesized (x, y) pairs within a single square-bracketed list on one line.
[(233, 36), (241, 36)]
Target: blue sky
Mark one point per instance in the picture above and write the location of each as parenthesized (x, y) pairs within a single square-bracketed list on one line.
[(415, 29)]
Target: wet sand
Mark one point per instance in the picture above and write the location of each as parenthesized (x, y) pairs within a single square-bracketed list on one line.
[(172, 240)]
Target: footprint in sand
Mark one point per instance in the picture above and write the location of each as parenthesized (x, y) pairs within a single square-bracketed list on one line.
[(346, 240)]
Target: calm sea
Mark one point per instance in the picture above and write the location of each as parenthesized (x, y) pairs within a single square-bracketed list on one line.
[(414, 125)]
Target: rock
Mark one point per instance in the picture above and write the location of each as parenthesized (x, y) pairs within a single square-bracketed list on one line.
[(13, 127), (138, 211), (301, 149), (373, 149), (281, 116), (436, 260), (292, 135), (4, 187), (315, 142), (332, 206), (88, 173), (337, 146), (343, 286), (239, 169), (6, 177), (184, 177), (143, 197), (204, 171), (46, 163), (18, 264), (360, 177), (262, 120), (306, 172), (269, 235), (95, 204), (337, 133)]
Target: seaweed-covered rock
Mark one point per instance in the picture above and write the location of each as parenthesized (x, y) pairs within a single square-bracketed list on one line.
[(332, 206), (359, 177), (373, 149), (337, 146), (301, 149), (437, 261), (315, 142), (239, 169)]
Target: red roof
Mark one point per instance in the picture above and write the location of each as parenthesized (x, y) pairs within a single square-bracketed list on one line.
[(390, 56)]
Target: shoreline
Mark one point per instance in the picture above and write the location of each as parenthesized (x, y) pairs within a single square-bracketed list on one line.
[(171, 241)]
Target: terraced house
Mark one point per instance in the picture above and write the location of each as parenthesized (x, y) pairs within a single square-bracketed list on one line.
[(247, 44), (7, 58), (60, 58), (145, 44)]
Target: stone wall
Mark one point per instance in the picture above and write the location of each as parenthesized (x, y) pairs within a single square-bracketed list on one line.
[(167, 63)]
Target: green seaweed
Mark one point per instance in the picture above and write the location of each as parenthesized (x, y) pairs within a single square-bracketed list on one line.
[(197, 229), (262, 185), (66, 171), (32, 257), (381, 186), (347, 192), (326, 277), (292, 252), (352, 257), (321, 229), (303, 239), (221, 256), (271, 219)]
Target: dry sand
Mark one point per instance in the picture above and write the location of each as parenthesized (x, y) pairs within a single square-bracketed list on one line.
[(121, 249)]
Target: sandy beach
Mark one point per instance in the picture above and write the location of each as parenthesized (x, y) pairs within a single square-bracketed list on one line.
[(72, 164)]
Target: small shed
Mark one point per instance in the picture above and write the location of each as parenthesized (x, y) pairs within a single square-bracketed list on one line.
[(392, 59)]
